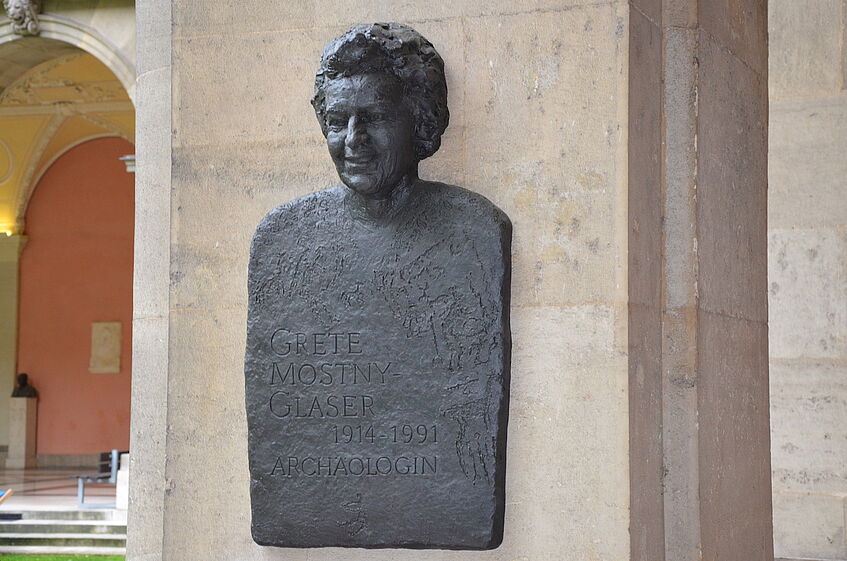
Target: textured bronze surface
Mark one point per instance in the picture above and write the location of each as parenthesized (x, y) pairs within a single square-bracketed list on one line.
[(378, 342)]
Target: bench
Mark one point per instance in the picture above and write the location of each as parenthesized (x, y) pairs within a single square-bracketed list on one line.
[(110, 463)]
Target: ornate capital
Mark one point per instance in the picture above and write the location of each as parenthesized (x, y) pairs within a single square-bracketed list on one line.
[(24, 15)]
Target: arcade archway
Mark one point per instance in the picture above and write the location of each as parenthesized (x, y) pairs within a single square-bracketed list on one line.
[(66, 224)]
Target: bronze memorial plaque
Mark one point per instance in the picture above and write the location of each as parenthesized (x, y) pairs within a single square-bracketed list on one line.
[(378, 343)]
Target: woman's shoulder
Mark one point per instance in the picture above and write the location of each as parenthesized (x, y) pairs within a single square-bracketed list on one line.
[(300, 211), (464, 204)]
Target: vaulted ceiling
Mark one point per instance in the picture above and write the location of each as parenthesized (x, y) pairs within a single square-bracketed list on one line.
[(46, 110)]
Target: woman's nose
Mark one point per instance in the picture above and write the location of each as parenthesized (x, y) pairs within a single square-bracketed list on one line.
[(356, 132)]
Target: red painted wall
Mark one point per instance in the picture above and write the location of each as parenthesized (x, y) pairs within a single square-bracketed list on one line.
[(77, 269)]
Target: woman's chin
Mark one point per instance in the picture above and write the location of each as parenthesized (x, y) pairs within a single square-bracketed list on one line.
[(364, 186)]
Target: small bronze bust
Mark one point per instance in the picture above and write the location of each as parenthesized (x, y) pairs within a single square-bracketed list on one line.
[(378, 340), (23, 389)]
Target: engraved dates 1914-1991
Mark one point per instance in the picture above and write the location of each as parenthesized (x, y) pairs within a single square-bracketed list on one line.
[(378, 342)]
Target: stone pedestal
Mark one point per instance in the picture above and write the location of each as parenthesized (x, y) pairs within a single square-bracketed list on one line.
[(10, 253), (23, 413)]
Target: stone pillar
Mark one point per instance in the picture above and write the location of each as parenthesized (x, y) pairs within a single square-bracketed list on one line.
[(699, 435), (10, 252), (151, 298), (807, 235), (23, 416)]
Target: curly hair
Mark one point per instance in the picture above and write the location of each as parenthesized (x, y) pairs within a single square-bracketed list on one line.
[(402, 52)]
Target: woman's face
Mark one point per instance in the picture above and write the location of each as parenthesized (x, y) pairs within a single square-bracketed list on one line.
[(369, 133)]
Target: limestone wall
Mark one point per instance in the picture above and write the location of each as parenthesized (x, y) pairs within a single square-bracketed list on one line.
[(538, 96), (807, 215)]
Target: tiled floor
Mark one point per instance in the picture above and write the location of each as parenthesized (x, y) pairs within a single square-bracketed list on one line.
[(48, 489)]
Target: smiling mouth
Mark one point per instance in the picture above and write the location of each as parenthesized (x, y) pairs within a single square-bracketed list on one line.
[(358, 165)]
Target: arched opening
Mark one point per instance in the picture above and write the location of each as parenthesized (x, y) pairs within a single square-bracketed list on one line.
[(76, 275), (66, 244), (57, 35)]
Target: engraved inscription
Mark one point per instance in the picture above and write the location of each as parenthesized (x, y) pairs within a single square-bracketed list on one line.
[(307, 391), (333, 466)]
